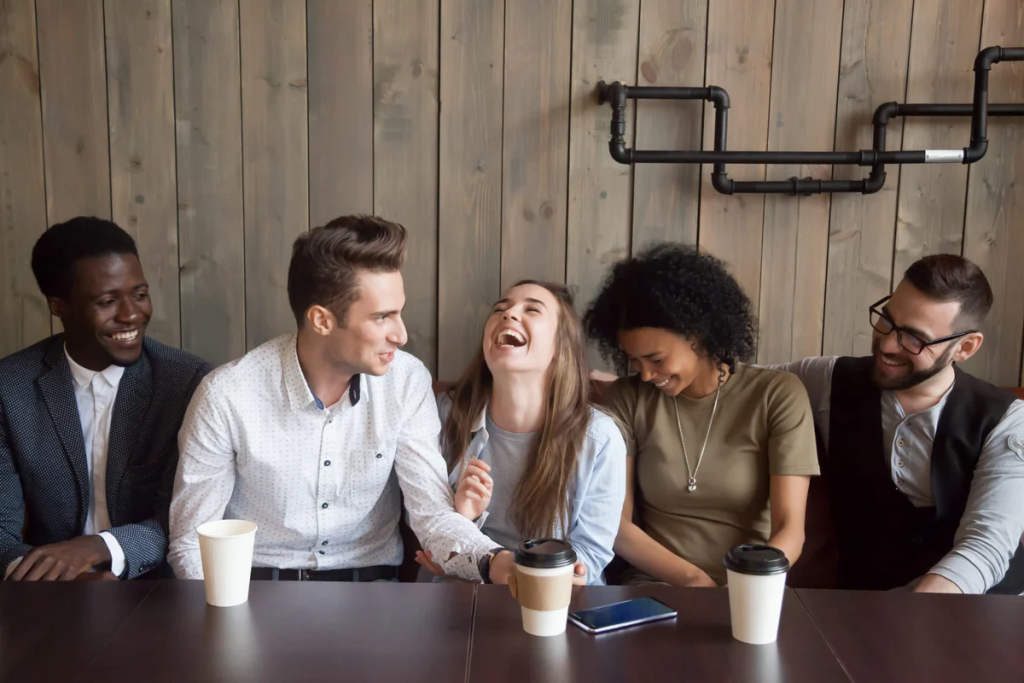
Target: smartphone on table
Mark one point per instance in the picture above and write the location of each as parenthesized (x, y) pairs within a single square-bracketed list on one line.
[(621, 614)]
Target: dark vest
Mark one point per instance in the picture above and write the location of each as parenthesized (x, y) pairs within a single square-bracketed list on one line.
[(884, 541)]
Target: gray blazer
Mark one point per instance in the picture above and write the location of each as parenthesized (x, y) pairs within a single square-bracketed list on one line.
[(43, 469)]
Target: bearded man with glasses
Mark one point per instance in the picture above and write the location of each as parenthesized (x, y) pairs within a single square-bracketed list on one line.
[(923, 463)]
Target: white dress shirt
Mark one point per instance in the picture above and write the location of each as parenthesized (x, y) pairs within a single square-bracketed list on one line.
[(322, 483), (95, 393)]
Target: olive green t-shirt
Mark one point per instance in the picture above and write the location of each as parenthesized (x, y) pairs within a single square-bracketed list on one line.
[(763, 426)]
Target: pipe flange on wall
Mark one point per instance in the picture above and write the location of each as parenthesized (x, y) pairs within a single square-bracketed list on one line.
[(617, 94)]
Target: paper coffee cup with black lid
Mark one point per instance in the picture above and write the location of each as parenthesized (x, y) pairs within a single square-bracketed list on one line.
[(757, 584), (542, 583)]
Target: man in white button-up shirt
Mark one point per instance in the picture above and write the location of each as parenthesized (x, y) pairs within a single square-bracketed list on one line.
[(316, 436)]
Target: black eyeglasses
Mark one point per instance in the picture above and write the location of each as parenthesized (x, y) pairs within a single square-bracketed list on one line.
[(910, 342)]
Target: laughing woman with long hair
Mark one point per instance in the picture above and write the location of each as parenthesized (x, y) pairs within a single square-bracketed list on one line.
[(527, 454)]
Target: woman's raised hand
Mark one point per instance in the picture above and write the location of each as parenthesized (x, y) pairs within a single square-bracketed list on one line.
[(473, 494)]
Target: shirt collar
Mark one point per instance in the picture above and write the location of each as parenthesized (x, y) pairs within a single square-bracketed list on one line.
[(84, 376), (300, 396)]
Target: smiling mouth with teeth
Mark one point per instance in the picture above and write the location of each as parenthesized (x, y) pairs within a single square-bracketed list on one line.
[(662, 383), (510, 339), (125, 336)]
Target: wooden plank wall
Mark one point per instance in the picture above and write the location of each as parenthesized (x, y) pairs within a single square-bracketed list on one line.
[(217, 131)]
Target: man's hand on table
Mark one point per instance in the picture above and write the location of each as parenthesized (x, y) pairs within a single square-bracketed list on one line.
[(63, 561)]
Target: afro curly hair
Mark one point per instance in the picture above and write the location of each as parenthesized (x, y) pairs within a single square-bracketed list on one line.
[(675, 288)]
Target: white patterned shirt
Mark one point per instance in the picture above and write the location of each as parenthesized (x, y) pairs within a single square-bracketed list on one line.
[(322, 483)]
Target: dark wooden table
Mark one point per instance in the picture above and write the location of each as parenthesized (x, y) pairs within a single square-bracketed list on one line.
[(51, 631), (907, 637), (696, 646), (294, 632), (162, 631)]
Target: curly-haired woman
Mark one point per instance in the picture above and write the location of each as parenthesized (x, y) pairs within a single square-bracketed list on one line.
[(721, 453)]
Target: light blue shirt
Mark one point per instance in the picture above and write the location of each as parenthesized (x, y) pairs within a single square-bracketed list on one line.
[(597, 495)]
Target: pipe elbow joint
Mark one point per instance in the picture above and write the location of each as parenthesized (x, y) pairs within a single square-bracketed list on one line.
[(614, 93), (987, 57), (620, 153), (718, 96), (874, 182), (976, 151), (884, 113), (722, 182)]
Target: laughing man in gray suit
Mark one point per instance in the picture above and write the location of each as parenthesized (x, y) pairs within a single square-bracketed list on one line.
[(89, 418)]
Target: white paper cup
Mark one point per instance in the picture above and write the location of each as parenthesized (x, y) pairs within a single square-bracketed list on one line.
[(547, 623), (542, 583), (757, 584), (226, 549)]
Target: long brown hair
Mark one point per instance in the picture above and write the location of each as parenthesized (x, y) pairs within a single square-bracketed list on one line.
[(540, 501)]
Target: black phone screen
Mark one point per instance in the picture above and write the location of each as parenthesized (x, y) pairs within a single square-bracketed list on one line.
[(628, 612)]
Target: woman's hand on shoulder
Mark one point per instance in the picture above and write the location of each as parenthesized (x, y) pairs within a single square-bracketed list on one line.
[(473, 494)]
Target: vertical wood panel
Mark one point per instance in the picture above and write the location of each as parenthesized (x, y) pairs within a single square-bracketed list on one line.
[(275, 159), (600, 192), (405, 85), (673, 36), (340, 36), (22, 194), (140, 89), (208, 121), (739, 59), (872, 70), (469, 231), (802, 116), (995, 203), (932, 196), (536, 135), (74, 92)]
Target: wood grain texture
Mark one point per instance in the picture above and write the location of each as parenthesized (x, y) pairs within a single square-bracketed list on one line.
[(932, 196), (208, 120), (872, 70), (275, 158), (22, 193), (469, 229), (140, 91), (74, 92), (340, 36), (673, 35), (536, 134), (995, 202), (604, 47), (739, 59), (405, 107), (803, 112)]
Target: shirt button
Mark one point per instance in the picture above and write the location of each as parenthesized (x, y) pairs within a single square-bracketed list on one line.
[(899, 463), (322, 552), (330, 420), (379, 455), (901, 443), (324, 506), (327, 463), (324, 543)]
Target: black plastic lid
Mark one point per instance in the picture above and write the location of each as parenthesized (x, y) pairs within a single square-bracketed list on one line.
[(545, 553), (756, 559)]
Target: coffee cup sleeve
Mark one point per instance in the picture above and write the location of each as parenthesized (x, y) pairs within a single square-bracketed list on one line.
[(541, 593)]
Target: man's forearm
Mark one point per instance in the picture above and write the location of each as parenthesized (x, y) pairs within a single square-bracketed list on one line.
[(933, 583)]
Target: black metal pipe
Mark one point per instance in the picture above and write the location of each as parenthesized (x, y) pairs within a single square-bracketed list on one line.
[(617, 94)]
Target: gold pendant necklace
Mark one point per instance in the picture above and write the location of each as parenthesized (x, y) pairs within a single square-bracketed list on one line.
[(691, 484)]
